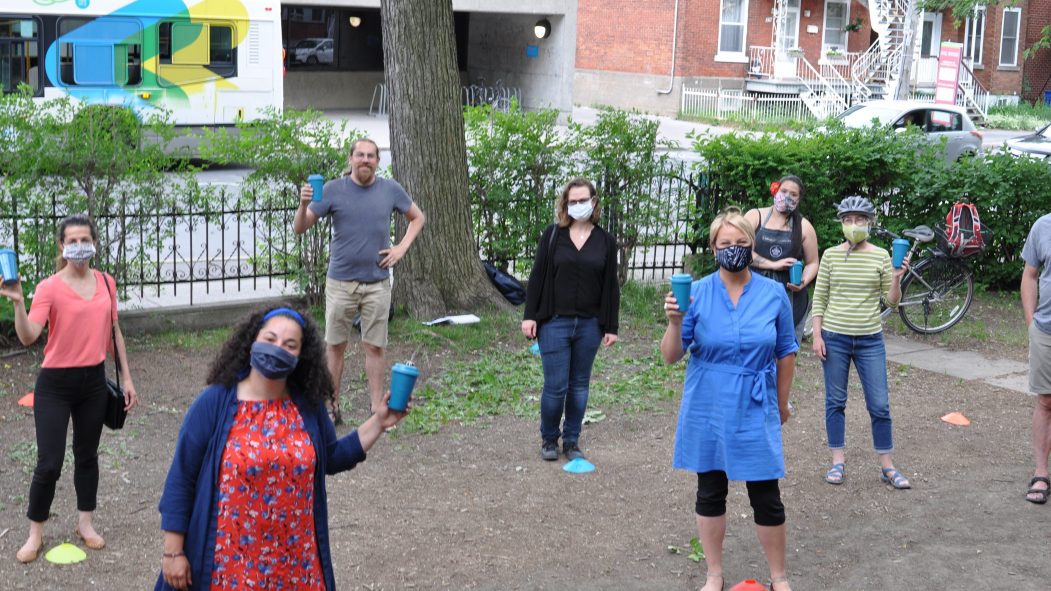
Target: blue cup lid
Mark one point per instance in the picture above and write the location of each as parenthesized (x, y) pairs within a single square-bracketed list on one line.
[(406, 369), (682, 277), (315, 177)]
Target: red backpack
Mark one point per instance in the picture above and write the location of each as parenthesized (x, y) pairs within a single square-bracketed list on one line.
[(964, 233)]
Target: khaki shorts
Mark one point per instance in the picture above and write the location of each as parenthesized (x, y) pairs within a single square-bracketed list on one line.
[(1039, 361), (345, 299)]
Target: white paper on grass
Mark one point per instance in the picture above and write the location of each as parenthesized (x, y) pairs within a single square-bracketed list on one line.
[(461, 319)]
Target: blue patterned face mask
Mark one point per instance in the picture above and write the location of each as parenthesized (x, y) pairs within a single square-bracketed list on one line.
[(272, 361), (734, 258)]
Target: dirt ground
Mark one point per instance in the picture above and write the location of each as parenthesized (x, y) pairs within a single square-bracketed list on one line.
[(473, 507)]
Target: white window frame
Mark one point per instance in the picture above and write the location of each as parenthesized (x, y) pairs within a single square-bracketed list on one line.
[(733, 56), (970, 32), (935, 18), (824, 27), (1017, 32)]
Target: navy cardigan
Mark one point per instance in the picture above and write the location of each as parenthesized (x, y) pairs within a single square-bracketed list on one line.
[(189, 503)]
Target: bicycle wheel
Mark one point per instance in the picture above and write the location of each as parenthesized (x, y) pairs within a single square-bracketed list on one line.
[(936, 295)]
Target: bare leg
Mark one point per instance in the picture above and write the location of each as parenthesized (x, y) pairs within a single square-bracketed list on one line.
[(87, 531), (1041, 438), (375, 368), (772, 539), (334, 357), (34, 542), (712, 530)]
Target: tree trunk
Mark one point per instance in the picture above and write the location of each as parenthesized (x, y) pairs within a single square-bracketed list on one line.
[(442, 273)]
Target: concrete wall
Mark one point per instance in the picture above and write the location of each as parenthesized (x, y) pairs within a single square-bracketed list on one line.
[(330, 90), (497, 51), (627, 91)]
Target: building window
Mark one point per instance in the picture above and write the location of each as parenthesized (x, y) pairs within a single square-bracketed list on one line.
[(930, 34), (837, 14), (974, 35), (733, 19), (1009, 36), (19, 57)]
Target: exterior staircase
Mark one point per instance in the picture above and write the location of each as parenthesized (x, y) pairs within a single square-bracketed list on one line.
[(882, 71)]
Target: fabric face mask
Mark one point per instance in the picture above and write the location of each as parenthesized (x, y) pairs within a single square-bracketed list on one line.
[(581, 211), (783, 203), (272, 361), (855, 233), (734, 258), (78, 252)]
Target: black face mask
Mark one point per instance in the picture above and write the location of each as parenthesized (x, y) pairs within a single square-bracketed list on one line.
[(734, 258), (272, 361)]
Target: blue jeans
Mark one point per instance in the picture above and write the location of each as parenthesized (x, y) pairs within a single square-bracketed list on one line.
[(567, 350), (870, 360)]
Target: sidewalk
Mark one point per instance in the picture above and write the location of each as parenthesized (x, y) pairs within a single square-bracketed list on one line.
[(966, 365)]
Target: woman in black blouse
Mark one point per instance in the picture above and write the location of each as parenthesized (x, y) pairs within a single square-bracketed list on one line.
[(571, 306)]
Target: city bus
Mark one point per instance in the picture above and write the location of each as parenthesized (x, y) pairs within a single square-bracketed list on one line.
[(206, 63)]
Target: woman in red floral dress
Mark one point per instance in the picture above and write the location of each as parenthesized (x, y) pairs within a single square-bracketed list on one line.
[(244, 504)]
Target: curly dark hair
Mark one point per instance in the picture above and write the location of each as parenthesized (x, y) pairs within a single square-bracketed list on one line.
[(311, 378)]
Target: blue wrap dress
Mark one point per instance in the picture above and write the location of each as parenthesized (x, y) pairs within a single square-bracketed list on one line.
[(729, 418)]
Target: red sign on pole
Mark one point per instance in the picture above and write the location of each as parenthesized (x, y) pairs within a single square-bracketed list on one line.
[(948, 73)]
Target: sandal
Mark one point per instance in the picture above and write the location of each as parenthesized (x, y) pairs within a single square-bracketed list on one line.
[(894, 478), (1043, 492), (836, 474)]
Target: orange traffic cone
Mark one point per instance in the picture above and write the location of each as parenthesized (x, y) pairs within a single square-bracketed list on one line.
[(748, 585)]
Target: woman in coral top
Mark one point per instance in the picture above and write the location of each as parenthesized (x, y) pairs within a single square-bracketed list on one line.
[(78, 306), (244, 505)]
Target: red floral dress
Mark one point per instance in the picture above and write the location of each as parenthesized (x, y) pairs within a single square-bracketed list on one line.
[(265, 538)]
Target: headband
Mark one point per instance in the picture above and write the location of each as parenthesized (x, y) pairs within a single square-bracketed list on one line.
[(285, 312)]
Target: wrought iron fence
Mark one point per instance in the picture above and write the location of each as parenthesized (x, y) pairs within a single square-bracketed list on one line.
[(235, 242)]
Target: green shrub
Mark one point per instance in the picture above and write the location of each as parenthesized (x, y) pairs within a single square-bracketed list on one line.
[(1023, 116)]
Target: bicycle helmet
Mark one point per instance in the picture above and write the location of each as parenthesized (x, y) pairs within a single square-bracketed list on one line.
[(856, 204)]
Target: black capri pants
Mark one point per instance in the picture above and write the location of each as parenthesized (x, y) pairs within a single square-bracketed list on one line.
[(77, 393), (764, 495)]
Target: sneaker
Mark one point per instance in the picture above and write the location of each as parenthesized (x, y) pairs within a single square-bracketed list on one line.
[(549, 451), (572, 450)]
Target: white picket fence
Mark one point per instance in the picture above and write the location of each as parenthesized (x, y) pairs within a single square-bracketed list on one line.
[(733, 105)]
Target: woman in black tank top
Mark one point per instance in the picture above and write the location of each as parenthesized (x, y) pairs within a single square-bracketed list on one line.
[(782, 237)]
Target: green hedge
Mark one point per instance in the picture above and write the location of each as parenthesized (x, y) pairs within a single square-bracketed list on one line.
[(900, 172)]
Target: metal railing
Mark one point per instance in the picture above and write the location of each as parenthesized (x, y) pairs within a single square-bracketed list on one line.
[(730, 104), (380, 104)]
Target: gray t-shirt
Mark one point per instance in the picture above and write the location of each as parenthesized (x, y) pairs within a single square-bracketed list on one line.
[(361, 219), (1037, 253)]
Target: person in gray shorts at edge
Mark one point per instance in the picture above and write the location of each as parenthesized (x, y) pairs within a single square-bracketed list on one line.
[(360, 257), (1037, 256)]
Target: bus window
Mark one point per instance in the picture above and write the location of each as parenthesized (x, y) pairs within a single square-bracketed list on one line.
[(182, 43), (99, 52), (19, 54), (222, 45)]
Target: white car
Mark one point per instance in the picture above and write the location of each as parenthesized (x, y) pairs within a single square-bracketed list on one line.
[(936, 121), (1036, 145), (313, 51)]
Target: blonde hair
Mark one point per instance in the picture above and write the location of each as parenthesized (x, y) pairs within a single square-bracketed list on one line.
[(562, 207), (730, 216)]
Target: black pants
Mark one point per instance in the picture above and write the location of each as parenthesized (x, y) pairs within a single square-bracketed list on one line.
[(80, 393), (764, 495)]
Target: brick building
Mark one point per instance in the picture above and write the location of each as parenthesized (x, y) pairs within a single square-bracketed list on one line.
[(632, 54)]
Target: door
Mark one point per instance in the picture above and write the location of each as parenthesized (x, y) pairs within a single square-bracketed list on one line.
[(786, 32), (930, 46)]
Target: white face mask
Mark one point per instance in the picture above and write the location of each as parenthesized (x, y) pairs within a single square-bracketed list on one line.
[(581, 211), (78, 252)]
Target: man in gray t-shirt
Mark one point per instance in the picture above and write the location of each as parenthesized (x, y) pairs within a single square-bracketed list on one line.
[(360, 258), (1036, 279)]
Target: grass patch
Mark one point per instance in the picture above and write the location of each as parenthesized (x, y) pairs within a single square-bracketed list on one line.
[(496, 326), (1022, 117), (177, 339), (994, 318)]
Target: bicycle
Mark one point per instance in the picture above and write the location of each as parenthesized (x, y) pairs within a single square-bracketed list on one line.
[(936, 290)]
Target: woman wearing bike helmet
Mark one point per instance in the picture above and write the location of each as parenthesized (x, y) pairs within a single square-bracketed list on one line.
[(852, 278), (782, 237)]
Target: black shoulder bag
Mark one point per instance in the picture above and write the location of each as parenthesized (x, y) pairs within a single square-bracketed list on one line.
[(115, 413)]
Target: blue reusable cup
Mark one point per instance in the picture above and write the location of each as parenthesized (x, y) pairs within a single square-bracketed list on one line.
[(795, 273), (318, 183), (900, 248), (680, 286), (8, 266), (402, 380)]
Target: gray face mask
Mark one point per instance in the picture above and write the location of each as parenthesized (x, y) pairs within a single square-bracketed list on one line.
[(78, 253)]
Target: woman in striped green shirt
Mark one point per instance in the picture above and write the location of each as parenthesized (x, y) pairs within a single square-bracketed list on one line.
[(851, 279)]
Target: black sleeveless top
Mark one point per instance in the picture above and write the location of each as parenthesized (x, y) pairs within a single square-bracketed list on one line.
[(775, 245)]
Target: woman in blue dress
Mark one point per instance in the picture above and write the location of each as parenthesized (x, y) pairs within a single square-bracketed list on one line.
[(739, 333)]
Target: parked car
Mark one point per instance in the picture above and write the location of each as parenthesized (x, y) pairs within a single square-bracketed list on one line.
[(315, 50), (1037, 145), (936, 121)]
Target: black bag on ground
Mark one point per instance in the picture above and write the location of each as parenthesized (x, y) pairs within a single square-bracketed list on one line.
[(511, 288)]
